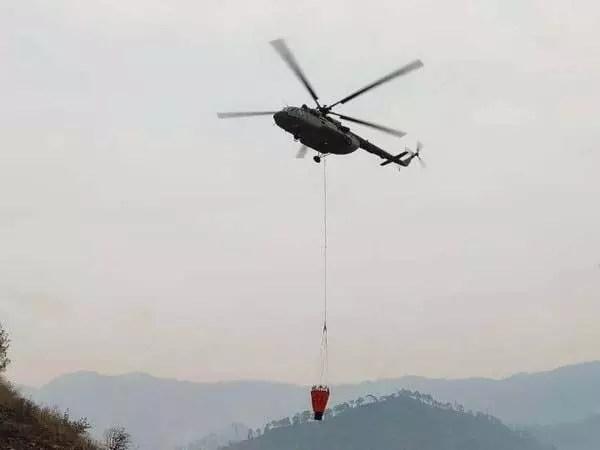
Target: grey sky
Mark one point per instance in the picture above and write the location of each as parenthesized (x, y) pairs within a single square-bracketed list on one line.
[(140, 233)]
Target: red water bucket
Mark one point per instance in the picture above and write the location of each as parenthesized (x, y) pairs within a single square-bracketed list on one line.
[(319, 396)]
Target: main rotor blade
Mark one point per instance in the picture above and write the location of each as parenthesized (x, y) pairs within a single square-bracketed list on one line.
[(416, 64), (302, 152), (286, 54), (229, 115), (397, 133)]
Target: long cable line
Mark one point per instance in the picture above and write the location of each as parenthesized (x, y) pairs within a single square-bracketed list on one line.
[(320, 393), (324, 349)]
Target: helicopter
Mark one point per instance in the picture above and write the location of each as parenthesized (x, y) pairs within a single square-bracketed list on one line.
[(316, 129)]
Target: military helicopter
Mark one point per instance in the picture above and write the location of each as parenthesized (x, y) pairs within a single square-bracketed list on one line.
[(316, 129)]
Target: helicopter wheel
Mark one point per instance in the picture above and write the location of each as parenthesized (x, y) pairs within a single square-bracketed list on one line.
[(317, 159)]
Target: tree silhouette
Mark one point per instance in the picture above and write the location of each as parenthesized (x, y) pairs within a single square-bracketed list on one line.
[(4, 346), (117, 438)]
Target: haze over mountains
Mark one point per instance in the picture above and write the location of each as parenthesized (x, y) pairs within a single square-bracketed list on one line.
[(162, 413), (582, 435)]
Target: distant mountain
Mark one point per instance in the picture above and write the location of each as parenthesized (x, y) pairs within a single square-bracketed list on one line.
[(582, 435), (164, 413), (400, 422), (566, 394)]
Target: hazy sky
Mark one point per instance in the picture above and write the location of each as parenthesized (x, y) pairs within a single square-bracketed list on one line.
[(140, 233)]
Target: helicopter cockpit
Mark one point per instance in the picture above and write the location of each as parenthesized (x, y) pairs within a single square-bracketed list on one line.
[(297, 112), (292, 111)]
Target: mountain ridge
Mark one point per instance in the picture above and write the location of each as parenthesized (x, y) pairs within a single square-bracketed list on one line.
[(410, 376), (166, 412)]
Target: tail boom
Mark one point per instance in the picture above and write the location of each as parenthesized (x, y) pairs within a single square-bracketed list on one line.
[(397, 159)]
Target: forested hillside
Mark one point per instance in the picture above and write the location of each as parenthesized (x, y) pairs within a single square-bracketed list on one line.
[(402, 421), (26, 425)]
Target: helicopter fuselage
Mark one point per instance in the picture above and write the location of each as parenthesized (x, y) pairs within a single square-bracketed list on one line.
[(316, 129), (321, 133)]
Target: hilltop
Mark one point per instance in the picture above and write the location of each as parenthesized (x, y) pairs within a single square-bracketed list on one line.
[(402, 421)]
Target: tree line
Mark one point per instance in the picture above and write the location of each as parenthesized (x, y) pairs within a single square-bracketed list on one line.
[(427, 399)]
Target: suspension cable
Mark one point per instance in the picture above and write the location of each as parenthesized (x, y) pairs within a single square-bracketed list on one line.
[(324, 245), (324, 350)]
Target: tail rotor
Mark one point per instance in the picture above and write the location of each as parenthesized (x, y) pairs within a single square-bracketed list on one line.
[(417, 154)]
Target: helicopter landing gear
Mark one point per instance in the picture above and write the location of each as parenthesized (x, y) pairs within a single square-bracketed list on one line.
[(318, 158)]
